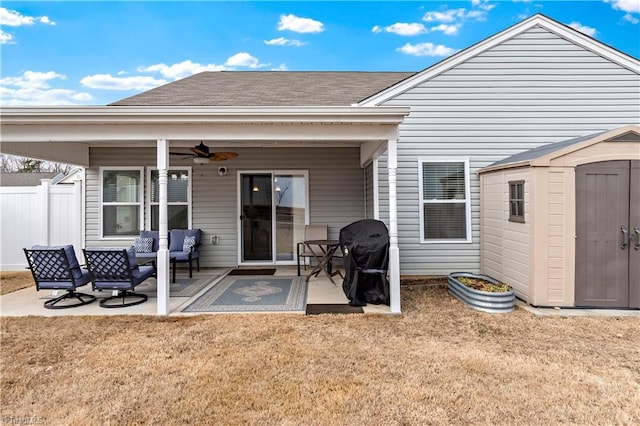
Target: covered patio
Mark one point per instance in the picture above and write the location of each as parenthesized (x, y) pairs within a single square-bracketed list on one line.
[(76, 134), (28, 301)]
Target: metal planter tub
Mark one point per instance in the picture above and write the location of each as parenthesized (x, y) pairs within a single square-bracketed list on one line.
[(481, 300)]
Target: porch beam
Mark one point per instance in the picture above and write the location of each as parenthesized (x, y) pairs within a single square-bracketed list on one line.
[(394, 251), (162, 276), (248, 132)]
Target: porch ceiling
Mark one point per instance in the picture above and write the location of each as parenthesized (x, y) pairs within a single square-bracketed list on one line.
[(66, 133)]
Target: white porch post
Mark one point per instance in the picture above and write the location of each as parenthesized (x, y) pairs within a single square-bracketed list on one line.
[(163, 223), (76, 215), (44, 196), (394, 251)]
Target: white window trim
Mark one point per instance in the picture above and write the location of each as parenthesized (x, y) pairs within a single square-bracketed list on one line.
[(148, 203), (467, 201), (102, 204)]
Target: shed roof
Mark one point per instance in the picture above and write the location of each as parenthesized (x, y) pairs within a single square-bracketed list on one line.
[(526, 158), (267, 88)]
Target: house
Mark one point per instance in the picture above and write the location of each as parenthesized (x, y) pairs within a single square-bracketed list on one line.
[(402, 147)]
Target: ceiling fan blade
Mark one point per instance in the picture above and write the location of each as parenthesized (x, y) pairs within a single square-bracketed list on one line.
[(222, 156)]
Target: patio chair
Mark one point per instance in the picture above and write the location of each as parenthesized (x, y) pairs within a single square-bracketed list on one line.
[(118, 271), (184, 246), (311, 232), (57, 268)]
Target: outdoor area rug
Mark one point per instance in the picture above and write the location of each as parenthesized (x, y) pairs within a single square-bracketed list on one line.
[(183, 287), (267, 271), (332, 308), (253, 294)]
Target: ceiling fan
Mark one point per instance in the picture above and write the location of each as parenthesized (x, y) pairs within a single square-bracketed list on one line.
[(201, 154)]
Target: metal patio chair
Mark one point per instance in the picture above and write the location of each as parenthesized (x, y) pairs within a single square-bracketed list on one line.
[(57, 268), (117, 270), (311, 232)]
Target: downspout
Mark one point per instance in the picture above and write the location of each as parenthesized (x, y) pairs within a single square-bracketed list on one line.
[(162, 275), (394, 251)]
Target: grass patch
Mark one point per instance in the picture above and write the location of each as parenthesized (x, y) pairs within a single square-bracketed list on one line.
[(11, 281), (438, 363)]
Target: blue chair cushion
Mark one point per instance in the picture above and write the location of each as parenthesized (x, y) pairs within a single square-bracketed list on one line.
[(142, 273), (131, 254), (85, 278), (76, 273), (182, 256), (176, 238)]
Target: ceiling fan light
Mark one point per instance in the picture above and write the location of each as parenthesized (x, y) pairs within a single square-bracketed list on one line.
[(200, 160)]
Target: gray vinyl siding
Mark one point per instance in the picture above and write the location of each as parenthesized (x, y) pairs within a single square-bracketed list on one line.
[(336, 191), (531, 90)]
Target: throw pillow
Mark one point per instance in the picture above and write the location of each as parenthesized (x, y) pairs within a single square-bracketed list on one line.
[(188, 244), (143, 245)]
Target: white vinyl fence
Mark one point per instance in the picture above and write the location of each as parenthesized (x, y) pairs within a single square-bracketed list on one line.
[(45, 214)]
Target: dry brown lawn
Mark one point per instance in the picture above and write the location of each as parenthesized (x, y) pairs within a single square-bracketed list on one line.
[(439, 363), (11, 281)]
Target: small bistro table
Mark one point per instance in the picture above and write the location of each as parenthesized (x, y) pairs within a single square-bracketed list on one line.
[(323, 251)]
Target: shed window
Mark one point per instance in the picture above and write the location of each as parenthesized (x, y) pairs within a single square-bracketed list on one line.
[(444, 201), (516, 201), (121, 201), (178, 198)]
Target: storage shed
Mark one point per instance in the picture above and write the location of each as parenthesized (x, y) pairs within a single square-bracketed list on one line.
[(561, 222)]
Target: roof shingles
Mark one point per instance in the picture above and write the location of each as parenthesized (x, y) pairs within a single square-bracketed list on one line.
[(271, 88)]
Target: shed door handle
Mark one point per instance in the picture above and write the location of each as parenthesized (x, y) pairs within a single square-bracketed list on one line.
[(625, 237), (637, 231)]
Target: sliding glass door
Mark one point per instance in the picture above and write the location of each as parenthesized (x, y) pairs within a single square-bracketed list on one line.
[(273, 212)]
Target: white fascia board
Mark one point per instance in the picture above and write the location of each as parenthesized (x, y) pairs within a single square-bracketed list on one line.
[(177, 114), (561, 30)]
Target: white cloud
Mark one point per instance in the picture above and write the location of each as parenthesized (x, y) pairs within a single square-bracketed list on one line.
[(32, 80), (299, 25), (181, 69), (109, 82), (5, 38), (629, 6), (282, 67), (630, 18), (33, 88), (446, 16), (583, 28), (451, 19), (18, 97), (426, 49), (281, 41), (13, 18), (243, 59), (447, 29), (402, 28)]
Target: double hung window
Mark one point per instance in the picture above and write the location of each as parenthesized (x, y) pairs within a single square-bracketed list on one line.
[(178, 198), (445, 212), (121, 201)]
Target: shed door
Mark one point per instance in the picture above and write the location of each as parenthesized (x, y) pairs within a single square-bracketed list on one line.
[(607, 212)]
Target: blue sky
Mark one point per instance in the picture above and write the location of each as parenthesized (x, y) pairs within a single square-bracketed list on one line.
[(94, 53)]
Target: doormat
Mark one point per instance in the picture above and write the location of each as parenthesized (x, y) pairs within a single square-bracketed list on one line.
[(332, 308), (261, 293), (266, 271), (183, 287)]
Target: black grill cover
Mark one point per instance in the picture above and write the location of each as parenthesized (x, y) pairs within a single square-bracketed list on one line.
[(365, 245)]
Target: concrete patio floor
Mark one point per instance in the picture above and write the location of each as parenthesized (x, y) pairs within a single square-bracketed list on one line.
[(29, 302)]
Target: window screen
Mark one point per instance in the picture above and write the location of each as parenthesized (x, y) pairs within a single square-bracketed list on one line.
[(444, 200)]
